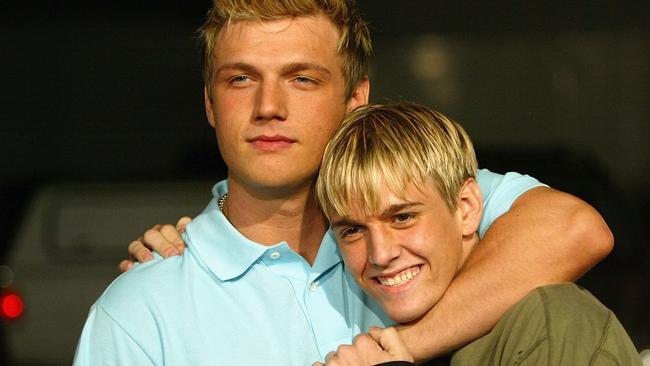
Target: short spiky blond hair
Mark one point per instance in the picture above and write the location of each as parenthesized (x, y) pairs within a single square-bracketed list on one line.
[(395, 145), (354, 42)]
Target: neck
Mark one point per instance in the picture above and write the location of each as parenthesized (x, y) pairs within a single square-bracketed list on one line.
[(276, 215), (469, 242)]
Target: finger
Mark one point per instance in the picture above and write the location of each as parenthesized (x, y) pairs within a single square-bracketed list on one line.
[(139, 252), (367, 351), (351, 355), (365, 343), (124, 266), (171, 234), (329, 356), (332, 358), (156, 227), (317, 364), (391, 342), (375, 333), (149, 237), (154, 239), (182, 222)]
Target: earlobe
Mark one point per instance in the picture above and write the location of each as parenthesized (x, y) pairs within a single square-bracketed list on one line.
[(470, 206), (360, 95), (207, 100)]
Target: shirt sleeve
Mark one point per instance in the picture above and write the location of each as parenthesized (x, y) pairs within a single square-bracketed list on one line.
[(499, 192), (103, 342)]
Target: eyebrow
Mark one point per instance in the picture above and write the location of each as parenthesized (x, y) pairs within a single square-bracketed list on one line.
[(300, 66), (237, 66), (344, 222), (286, 69), (390, 211)]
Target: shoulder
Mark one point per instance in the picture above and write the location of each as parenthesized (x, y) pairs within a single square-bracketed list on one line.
[(492, 183), (500, 192), (123, 324), (146, 284)]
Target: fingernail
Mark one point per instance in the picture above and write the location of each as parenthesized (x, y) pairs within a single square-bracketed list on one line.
[(171, 252)]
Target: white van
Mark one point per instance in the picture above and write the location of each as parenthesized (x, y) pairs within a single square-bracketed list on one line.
[(67, 249)]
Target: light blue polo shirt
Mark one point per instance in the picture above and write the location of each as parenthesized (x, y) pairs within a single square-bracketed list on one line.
[(231, 301)]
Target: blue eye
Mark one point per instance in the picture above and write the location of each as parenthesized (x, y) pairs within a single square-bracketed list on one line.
[(239, 79), (305, 81)]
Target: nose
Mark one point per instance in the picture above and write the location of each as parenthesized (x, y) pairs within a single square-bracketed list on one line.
[(382, 248), (271, 102)]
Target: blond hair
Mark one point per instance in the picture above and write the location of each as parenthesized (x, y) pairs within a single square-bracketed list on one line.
[(394, 145), (354, 42)]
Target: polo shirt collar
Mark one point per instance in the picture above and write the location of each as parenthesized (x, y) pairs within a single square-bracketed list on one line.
[(328, 254), (223, 249), (229, 254)]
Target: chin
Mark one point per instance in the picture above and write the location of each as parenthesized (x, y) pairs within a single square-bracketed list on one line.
[(277, 180), (404, 314)]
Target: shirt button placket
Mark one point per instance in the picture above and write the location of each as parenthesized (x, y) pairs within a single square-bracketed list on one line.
[(311, 302)]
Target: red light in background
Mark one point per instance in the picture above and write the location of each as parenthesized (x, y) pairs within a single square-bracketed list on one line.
[(11, 306)]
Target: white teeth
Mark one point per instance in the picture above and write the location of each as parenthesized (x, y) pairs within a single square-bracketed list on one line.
[(400, 278)]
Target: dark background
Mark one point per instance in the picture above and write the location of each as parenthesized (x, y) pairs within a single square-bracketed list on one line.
[(112, 91)]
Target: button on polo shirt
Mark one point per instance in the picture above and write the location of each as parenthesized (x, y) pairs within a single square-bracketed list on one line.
[(313, 287)]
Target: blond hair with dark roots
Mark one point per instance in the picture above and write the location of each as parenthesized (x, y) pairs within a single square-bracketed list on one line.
[(354, 41), (393, 145)]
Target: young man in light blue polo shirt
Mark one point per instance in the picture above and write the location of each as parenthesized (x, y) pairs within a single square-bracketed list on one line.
[(398, 184), (262, 280)]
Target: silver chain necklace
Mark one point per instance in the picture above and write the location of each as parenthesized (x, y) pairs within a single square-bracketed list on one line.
[(221, 202)]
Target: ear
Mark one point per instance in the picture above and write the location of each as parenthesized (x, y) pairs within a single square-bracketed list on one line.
[(470, 206), (360, 95), (207, 100)]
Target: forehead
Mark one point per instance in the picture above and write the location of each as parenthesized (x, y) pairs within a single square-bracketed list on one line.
[(306, 37), (390, 198)]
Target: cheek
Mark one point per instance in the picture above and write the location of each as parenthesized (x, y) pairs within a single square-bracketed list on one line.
[(442, 251), (233, 102), (229, 117), (322, 111), (354, 257), (318, 143), (420, 240), (227, 107)]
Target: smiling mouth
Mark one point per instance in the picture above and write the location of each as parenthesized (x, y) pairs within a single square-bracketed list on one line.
[(401, 278)]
